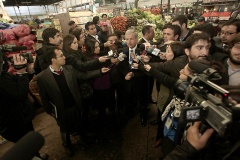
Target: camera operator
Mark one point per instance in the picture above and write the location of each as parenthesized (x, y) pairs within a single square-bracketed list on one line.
[(190, 147), (16, 119)]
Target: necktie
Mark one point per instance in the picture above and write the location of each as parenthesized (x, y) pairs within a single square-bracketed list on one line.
[(130, 57), (58, 72)]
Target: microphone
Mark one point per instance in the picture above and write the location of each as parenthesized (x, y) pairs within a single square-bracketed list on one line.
[(197, 66), (140, 59), (151, 49), (121, 56), (200, 68), (26, 148)]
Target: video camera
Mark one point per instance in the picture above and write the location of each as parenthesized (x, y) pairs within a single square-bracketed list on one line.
[(200, 92), (12, 48)]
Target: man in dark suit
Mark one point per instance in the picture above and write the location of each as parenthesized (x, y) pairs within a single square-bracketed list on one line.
[(148, 34), (135, 80), (60, 94), (92, 34)]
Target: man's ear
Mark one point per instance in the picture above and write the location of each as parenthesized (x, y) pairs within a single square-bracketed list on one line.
[(176, 37), (50, 39), (184, 25), (187, 51)]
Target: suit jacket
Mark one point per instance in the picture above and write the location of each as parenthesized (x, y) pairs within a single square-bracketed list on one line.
[(50, 92), (124, 66), (102, 48), (141, 41)]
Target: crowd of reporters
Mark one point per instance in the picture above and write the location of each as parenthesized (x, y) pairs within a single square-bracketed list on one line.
[(85, 71)]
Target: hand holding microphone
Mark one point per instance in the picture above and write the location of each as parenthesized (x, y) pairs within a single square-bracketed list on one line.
[(147, 67)]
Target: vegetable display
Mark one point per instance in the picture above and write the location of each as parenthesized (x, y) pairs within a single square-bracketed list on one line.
[(119, 23)]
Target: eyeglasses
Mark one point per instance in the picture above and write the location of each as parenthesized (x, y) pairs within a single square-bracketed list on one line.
[(227, 33), (61, 56)]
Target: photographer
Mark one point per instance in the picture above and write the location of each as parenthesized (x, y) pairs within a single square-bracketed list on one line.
[(15, 109)]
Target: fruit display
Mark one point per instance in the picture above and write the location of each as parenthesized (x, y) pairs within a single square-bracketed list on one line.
[(131, 21), (119, 23), (155, 11)]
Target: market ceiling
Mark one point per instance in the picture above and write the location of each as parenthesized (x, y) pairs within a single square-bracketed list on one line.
[(29, 2)]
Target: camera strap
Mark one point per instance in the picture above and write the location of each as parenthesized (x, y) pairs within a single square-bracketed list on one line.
[(18, 67)]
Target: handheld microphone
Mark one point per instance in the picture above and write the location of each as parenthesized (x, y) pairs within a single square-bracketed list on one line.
[(121, 56), (140, 59), (151, 49), (26, 148)]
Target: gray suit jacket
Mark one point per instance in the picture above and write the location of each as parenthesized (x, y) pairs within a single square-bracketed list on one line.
[(51, 95)]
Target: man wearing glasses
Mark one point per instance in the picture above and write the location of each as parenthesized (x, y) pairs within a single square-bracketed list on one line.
[(60, 94), (228, 33)]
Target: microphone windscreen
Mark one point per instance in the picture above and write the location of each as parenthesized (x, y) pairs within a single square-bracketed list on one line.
[(197, 66), (19, 48), (26, 148)]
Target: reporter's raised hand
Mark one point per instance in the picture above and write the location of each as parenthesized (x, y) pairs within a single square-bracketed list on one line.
[(145, 59), (147, 67), (135, 66), (103, 59), (196, 139), (129, 76), (104, 70), (108, 44), (114, 60)]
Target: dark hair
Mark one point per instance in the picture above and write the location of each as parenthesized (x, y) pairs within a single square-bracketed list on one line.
[(77, 32), (90, 48), (50, 53), (234, 22), (235, 40), (71, 23), (111, 35), (118, 33), (67, 41), (192, 39), (95, 19), (166, 26), (146, 29), (49, 33), (177, 48), (206, 27), (181, 19), (176, 30), (88, 24), (104, 15)]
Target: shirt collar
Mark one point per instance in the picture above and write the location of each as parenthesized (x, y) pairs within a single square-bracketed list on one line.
[(52, 70), (133, 48), (146, 40)]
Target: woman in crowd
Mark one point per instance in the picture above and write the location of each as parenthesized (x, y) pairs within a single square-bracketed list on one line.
[(174, 49), (71, 47), (101, 85)]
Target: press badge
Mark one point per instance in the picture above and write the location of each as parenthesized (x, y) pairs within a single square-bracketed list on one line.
[(168, 122)]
